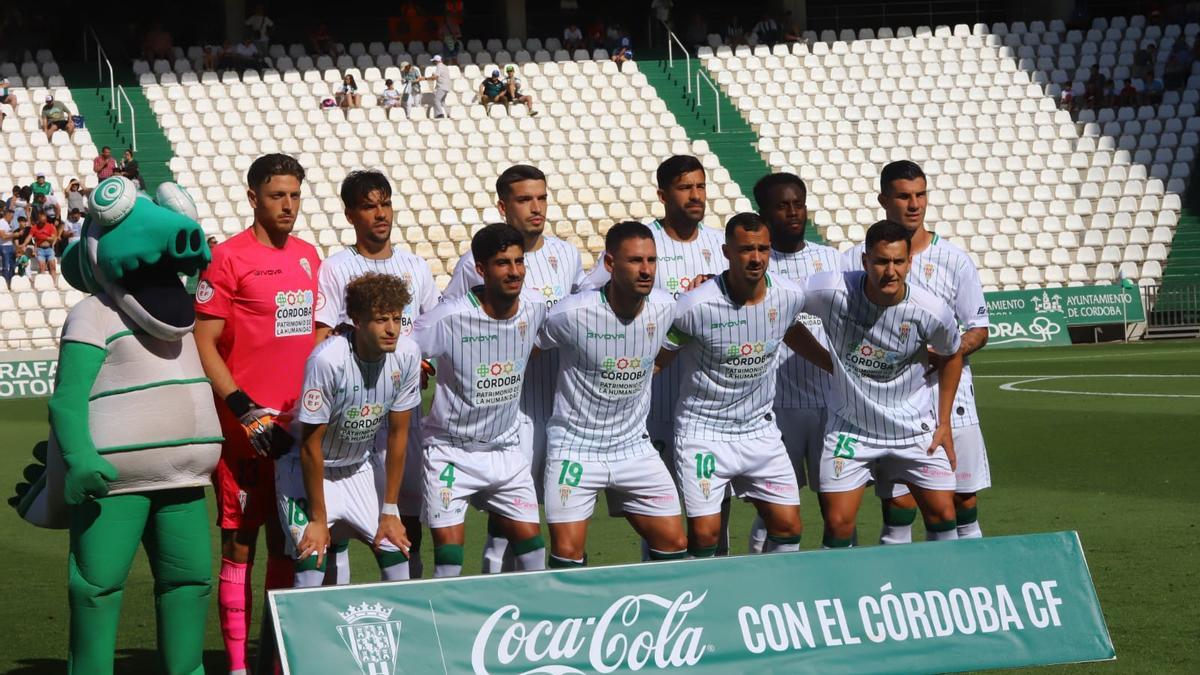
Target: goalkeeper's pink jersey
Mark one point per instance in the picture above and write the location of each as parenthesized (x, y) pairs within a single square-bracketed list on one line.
[(268, 298)]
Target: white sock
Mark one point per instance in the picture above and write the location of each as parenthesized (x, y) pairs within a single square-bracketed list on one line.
[(341, 561), (397, 572), (970, 531), (309, 578), (758, 535), (533, 560), (773, 545), (441, 571), (895, 534), (493, 554), (948, 535)]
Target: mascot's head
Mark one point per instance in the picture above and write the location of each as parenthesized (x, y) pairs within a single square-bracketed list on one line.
[(134, 250)]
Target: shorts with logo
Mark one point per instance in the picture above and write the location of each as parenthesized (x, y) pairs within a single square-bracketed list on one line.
[(245, 491), (754, 468), (412, 485), (351, 503), (533, 444), (496, 480), (971, 474), (803, 432), (848, 461), (638, 485)]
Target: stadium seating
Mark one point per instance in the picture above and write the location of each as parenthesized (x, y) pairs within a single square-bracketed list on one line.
[(1038, 198), (41, 303), (601, 134)]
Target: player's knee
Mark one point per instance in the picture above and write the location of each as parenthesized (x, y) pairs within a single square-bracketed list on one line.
[(905, 501), (965, 500), (94, 584), (897, 516), (940, 514), (568, 550), (839, 522)]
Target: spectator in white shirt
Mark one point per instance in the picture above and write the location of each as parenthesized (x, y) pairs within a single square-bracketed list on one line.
[(390, 97), (572, 37), (260, 26)]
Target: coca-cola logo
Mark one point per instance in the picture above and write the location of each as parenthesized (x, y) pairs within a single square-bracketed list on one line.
[(628, 635)]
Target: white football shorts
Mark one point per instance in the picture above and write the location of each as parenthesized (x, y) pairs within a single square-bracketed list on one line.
[(496, 480), (754, 468), (639, 485)]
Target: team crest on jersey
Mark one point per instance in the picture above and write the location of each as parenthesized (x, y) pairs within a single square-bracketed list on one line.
[(307, 268), (705, 486), (446, 494), (772, 314), (521, 328), (838, 465), (707, 255), (904, 330), (407, 279), (204, 292), (553, 260), (817, 266), (928, 270), (650, 328), (396, 379), (313, 400), (564, 493)]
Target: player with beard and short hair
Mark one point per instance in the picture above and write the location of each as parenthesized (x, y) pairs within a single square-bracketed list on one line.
[(802, 389), (367, 198), (553, 271), (609, 338), (472, 437)]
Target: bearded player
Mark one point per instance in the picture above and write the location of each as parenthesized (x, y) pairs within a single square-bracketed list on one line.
[(608, 339), (254, 331), (553, 270)]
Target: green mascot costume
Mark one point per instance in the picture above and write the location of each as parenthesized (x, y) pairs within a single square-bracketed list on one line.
[(134, 435)]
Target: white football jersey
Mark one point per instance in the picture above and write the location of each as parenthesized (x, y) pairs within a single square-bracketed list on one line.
[(605, 368), (801, 384), (346, 265), (949, 273), (880, 356), (552, 273), (481, 367), (353, 397), (679, 262), (728, 358)]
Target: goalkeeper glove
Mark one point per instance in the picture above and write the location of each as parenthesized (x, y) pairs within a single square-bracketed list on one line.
[(267, 438)]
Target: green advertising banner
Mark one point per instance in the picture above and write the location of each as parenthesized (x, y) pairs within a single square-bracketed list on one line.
[(999, 602), (1092, 305), (1025, 319), (27, 379)]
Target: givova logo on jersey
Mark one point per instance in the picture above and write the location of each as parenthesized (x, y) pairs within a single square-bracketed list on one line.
[(622, 376), (293, 313), (873, 362), (498, 382), (749, 360), (361, 422)]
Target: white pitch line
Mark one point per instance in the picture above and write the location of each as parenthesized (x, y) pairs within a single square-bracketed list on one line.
[(1015, 386), (1089, 357)]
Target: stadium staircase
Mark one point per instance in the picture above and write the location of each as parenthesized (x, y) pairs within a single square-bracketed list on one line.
[(94, 102), (735, 145)]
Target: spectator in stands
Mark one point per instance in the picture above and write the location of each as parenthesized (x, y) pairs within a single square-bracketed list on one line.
[(69, 230), (512, 89), (260, 26), (492, 90), (104, 165), (572, 37), (19, 202), (129, 168), (247, 54), (212, 241), (410, 87), (210, 58), (49, 208), (595, 34), (735, 33), (451, 41), (1143, 62), (44, 235), (347, 95), (623, 53), (1151, 90), (790, 29), (41, 186), (157, 44), (1066, 100), (25, 261), (1127, 95), (320, 41), (696, 32), (76, 199), (1179, 65), (612, 37), (6, 98), (8, 249), (441, 88), (766, 30), (56, 117), (390, 98)]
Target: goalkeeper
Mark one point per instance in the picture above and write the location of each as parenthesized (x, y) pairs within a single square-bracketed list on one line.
[(255, 306)]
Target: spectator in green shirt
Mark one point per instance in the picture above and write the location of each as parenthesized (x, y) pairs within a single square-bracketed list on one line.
[(493, 90), (41, 186), (56, 117)]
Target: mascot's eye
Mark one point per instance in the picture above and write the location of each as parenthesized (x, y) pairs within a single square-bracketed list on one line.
[(112, 200)]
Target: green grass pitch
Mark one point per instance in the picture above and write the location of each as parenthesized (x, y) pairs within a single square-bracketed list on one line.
[(1122, 470)]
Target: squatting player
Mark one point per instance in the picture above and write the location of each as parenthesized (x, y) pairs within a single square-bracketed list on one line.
[(881, 328), (949, 273), (254, 330), (367, 198), (727, 333), (597, 439), (356, 385), (482, 342), (801, 388), (553, 271), (688, 254)]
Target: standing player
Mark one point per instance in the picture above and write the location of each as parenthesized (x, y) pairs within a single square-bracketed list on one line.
[(881, 329), (553, 270), (254, 330), (356, 385), (728, 332), (949, 273), (688, 254), (609, 338), (801, 389), (367, 197), (472, 436)]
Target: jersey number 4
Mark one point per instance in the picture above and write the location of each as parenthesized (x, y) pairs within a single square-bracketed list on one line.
[(447, 475)]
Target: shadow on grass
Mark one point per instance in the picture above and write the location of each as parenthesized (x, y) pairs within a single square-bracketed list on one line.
[(127, 661)]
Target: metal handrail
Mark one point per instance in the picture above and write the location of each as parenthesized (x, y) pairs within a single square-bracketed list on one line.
[(132, 118), (716, 96), (672, 38), (101, 61)]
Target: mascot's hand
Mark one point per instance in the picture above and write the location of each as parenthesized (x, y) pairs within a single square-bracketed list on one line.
[(87, 478)]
